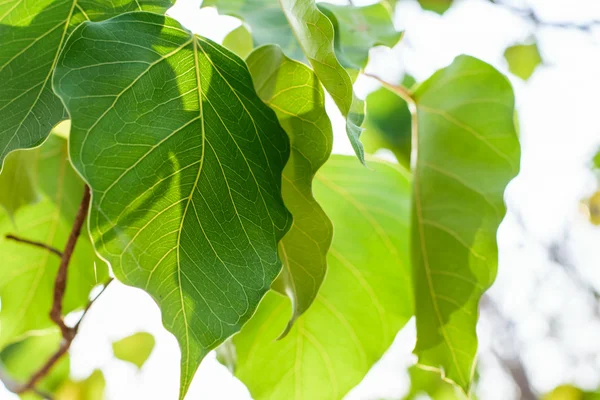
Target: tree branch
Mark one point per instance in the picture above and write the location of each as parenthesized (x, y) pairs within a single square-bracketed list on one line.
[(530, 15), (35, 243), (56, 314), (61, 277)]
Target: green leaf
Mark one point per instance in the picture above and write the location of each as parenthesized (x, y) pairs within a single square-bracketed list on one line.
[(239, 41), (315, 34), (468, 152), (358, 29), (22, 359), (135, 348), (91, 388), (523, 59), (27, 273), (18, 180), (294, 92), (267, 22), (388, 123), (32, 34), (365, 299), (185, 164), (437, 6), (423, 382)]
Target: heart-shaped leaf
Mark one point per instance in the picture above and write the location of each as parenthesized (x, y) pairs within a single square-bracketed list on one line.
[(32, 34), (185, 164)]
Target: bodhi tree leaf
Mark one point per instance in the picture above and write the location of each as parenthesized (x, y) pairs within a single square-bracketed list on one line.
[(22, 359), (91, 388), (437, 6), (358, 29), (315, 34), (27, 273), (424, 382), (32, 34), (185, 164), (18, 180), (267, 22), (468, 152), (294, 92), (388, 123), (239, 41), (135, 348), (365, 299), (523, 59)]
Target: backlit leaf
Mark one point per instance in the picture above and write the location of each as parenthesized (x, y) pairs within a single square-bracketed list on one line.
[(294, 92), (388, 123), (27, 273), (523, 59), (468, 151), (365, 299), (358, 29), (32, 34), (315, 34), (135, 348), (437, 6), (239, 41), (22, 359), (91, 388), (185, 164), (267, 22), (18, 180)]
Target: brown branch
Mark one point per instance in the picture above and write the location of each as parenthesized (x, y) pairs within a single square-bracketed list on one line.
[(35, 243), (61, 277), (60, 283)]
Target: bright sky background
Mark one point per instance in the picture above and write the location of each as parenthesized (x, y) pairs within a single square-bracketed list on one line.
[(559, 110)]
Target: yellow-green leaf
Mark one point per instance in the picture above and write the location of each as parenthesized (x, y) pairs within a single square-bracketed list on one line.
[(135, 348), (523, 59), (468, 152), (293, 91), (365, 299), (239, 41), (27, 273)]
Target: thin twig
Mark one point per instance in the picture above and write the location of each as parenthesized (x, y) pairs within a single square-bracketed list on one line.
[(530, 14), (400, 90), (35, 243), (60, 283)]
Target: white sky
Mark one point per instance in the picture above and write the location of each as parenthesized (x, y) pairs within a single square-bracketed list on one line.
[(559, 113)]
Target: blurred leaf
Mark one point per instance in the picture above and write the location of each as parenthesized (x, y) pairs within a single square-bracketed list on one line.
[(365, 299), (32, 34), (27, 273), (18, 180), (437, 6), (267, 22), (593, 205), (523, 59), (388, 123), (358, 29), (468, 152), (239, 41), (293, 91), (315, 34), (430, 383), (187, 184), (135, 348), (22, 359), (91, 388)]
